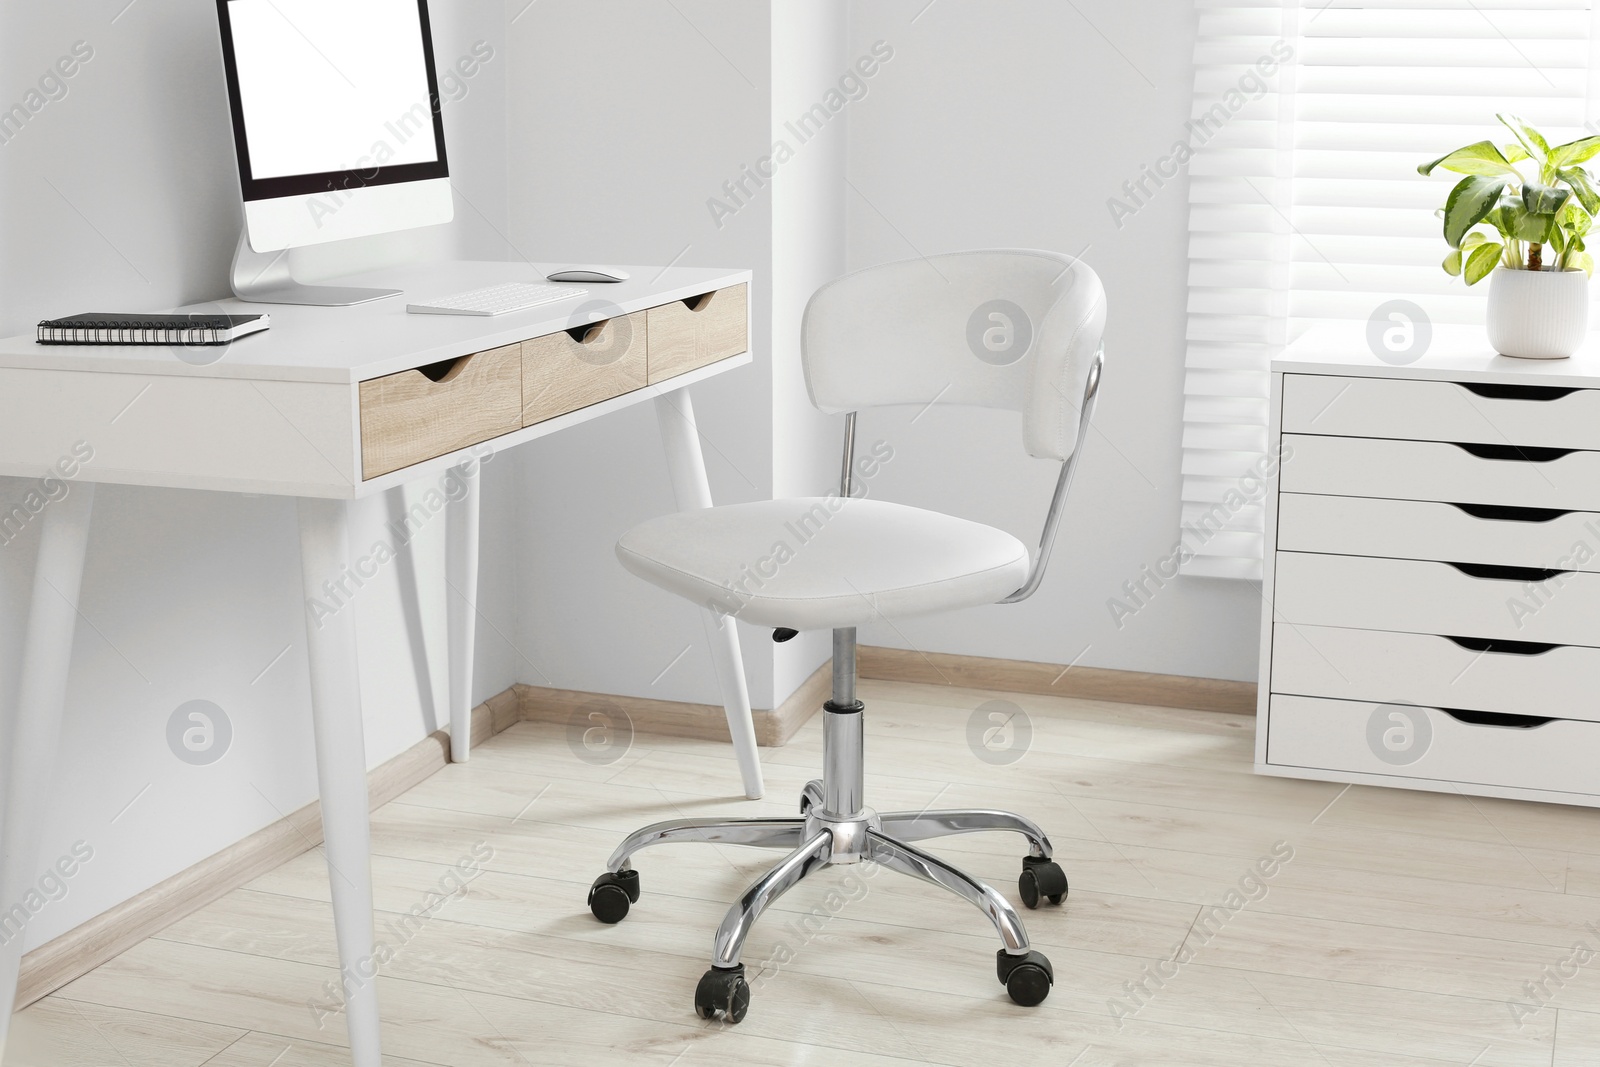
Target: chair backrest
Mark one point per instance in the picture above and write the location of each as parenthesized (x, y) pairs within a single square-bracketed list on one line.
[(1006, 328)]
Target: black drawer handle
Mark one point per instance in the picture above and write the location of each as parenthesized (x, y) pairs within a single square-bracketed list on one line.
[(1517, 392), (1508, 513), (1497, 718), (1515, 452), (1506, 574), (1495, 644)]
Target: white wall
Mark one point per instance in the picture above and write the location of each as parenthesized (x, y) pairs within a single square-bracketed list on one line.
[(122, 196), (809, 56), (992, 125), (1010, 125)]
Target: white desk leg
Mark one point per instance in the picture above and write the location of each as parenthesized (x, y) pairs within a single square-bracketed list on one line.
[(461, 572), (35, 713), (341, 769), (687, 465)]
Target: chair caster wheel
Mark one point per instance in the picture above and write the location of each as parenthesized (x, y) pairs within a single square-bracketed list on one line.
[(1027, 978), (723, 991), (1041, 878), (611, 894), (811, 796)]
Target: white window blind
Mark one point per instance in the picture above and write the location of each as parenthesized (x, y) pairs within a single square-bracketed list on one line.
[(1305, 202)]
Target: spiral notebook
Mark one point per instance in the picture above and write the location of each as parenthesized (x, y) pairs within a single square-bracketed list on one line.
[(111, 328)]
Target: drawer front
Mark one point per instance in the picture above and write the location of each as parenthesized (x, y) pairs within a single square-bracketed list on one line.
[(1376, 665), (1424, 529), (416, 415), (686, 334), (1539, 416), (562, 373), (1431, 470), (1422, 597), (1426, 743)]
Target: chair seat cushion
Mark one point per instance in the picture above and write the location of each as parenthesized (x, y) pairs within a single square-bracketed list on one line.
[(825, 562)]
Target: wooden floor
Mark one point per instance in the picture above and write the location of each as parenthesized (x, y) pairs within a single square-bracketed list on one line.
[(1404, 929)]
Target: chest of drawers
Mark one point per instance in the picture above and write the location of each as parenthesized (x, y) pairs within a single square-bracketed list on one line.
[(1432, 573)]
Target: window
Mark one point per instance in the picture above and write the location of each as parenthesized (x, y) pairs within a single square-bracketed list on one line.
[(1305, 204)]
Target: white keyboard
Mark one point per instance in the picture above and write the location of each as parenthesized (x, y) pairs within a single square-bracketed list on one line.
[(498, 299)]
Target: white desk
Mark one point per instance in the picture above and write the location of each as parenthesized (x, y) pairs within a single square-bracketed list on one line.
[(329, 406)]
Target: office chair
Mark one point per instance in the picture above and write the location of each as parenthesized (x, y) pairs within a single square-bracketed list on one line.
[(1012, 329)]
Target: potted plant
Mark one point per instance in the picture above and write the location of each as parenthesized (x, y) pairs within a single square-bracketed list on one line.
[(1529, 227)]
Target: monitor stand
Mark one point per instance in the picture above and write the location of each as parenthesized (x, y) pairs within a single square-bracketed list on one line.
[(264, 278)]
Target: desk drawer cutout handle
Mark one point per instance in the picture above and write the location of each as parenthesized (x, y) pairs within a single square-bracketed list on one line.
[(1515, 452), (1504, 648), (1501, 719), (699, 303), (446, 370), (1510, 513), (1517, 392), (1499, 573), (589, 332)]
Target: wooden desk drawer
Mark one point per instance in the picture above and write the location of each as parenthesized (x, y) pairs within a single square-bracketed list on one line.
[(1515, 678), (686, 334), (1425, 529), (1539, 416), (1427, 743), (562, 373), (1431, 470), (1434, 598), (419, 414)]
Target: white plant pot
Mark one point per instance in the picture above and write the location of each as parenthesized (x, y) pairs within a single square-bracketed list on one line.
[(1538, 314)]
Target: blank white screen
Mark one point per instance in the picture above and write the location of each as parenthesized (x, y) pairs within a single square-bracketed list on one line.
[(332, 85)]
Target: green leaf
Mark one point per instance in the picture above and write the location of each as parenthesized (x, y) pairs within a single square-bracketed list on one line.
[(1544, 199), (1583, 186), (1514, 153), (1469, 203), (1481, 261), (1573, 218), (1476, 237), (1580, 151), (1480, 158), (1508, 217), (1536, 229), (1452, 263), (1572, 254), (1532, 140), (1585, 263)]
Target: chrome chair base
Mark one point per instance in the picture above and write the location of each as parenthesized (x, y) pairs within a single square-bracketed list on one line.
[(823, 836)]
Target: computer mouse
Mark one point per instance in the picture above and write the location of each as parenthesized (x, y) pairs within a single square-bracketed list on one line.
[(589, 274)]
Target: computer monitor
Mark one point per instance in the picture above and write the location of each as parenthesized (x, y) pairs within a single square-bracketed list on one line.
[(336, 119)]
